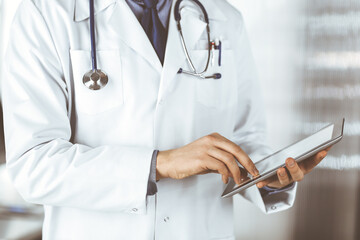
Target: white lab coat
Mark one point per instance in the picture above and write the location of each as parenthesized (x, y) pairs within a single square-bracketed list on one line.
[(85, 155)]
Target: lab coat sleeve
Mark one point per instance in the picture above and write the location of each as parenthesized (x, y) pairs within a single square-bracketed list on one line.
[(44, 165), (250, 127)]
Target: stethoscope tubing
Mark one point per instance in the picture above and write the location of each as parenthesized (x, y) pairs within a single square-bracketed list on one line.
[(193, 71), (178, 15), (96, 79), (92, 35)]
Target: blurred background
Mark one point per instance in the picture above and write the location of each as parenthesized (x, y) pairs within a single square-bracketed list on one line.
[(308, 58)]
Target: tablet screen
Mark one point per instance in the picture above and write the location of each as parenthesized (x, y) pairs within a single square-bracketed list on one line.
[(270, 164), (295, 150)]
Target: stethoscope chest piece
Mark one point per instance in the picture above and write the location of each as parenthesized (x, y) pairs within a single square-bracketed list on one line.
[(95, 79)]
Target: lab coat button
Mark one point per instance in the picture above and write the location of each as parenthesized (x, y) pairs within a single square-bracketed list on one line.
[(273, 207), (166, 219), (134, 209)]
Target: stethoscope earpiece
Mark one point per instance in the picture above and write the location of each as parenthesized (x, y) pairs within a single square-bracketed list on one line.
[(215, 76)]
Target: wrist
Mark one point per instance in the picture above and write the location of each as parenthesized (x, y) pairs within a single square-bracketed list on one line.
[(161, 165)]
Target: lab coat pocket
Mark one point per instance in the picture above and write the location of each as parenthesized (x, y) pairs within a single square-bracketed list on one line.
[(97, 101), (216, 93)]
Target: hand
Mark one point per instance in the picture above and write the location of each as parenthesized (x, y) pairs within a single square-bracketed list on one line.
[(210, 154), (293, 172)]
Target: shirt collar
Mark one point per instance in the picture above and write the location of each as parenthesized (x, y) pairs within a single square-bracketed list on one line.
[(140, 2), (81, 8)]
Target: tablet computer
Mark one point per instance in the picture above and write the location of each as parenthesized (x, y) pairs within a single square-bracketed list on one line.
[(301, 150)]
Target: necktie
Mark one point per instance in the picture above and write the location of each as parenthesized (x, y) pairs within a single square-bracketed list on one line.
[(153, 28)]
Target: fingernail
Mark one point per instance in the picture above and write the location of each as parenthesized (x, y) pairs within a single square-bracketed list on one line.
[(242, 179), (255, 171), (323, 155), (291, 163), (282, 173)]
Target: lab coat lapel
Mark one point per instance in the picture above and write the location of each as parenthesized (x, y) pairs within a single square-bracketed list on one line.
[(81, 8), (129, 30), (193, 27), (124, 24)]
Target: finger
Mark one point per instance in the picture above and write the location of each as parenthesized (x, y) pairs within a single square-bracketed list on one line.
[(295, 172), (329, 148), (244, 175), (318, 158), (266, 181), (227, 145), (309, 164), (229, 160), (215, 165), (283, 177)]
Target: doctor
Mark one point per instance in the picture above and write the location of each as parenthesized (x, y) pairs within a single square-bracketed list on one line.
[(91, 156)]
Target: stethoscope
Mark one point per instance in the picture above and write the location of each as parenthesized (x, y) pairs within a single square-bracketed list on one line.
[(211, 45), (96, 79)]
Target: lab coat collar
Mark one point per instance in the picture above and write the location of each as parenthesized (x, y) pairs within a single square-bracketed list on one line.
[(130, 31), (211, 7), (213, 10), (81, 8), (193, 27)]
